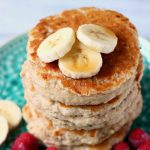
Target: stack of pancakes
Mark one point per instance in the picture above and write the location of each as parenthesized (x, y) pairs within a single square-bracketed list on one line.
[(87, 114)]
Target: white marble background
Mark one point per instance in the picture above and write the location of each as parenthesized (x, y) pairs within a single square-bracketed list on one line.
[(18, 16)]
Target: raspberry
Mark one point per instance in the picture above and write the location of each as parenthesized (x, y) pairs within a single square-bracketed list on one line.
[(137, 137), (144, 146), (51, 148), (25, 141), (121, 146)]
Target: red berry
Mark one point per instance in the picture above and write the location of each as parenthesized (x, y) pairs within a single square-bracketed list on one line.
[(51, 148), (144, 146), (121, 146), (25, 141), (137, 137)]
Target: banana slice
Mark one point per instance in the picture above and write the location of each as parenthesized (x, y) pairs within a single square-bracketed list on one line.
[(4, 129), (80, 62), (97, 38), (11, 112), (56, 45)]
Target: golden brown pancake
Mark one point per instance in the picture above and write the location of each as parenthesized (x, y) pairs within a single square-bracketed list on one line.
[(118, 66), (61, 109)]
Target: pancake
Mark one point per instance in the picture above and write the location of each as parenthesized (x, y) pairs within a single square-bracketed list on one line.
[(119, 67), (47, 132), (58, 91), (91, 122), (95, 121), (107, 144), (60, 109)]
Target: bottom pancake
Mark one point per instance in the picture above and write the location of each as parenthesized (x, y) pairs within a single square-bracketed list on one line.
[(49, 134), (105, 145)]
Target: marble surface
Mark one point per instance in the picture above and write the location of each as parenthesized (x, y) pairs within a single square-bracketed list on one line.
[(18, 16)]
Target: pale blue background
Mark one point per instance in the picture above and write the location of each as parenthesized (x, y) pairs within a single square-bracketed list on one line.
[(18, 16)]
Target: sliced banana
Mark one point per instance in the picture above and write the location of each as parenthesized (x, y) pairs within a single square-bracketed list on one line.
[(4, 129), (80, 62), (56, 45), (97, 38), (11, 112)]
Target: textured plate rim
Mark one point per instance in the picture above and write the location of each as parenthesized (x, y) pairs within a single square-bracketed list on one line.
[(12, 40)]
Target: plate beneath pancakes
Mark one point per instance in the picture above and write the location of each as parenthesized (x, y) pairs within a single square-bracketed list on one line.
[(12, 56)]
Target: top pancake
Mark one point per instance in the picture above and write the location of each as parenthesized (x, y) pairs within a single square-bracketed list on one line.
[(118, 66)]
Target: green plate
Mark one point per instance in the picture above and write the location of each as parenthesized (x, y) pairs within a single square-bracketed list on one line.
[(12, 56)]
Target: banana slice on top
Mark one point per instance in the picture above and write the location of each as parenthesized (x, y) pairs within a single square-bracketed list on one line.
[(4, 129), (97, 38), (80, 62), (56, 45), (11, 112)]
